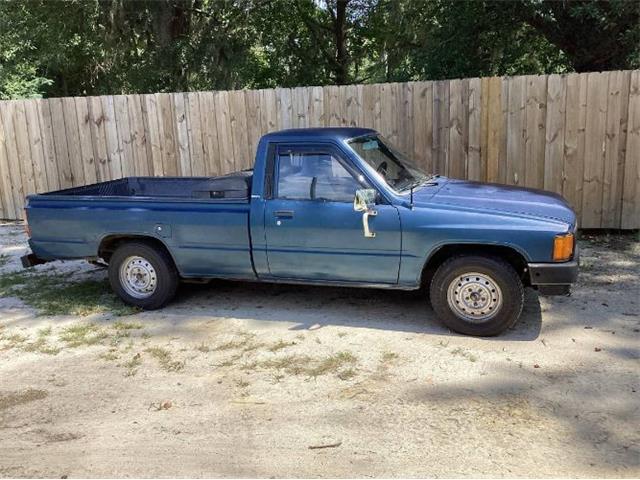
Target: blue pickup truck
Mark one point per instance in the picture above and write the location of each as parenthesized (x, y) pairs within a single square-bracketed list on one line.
[(326, 206)]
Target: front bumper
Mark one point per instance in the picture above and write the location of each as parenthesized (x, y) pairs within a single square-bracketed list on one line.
[(554, 278)]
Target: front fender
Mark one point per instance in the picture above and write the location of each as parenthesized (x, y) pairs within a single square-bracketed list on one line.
[(427, 230)]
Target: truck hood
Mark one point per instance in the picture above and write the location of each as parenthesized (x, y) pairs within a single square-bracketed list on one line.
[(503, 198)]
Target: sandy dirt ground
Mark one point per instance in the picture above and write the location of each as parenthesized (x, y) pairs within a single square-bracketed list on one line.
[(251, 380)]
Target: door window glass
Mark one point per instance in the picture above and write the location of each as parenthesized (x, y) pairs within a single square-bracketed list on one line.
[(314, 176)]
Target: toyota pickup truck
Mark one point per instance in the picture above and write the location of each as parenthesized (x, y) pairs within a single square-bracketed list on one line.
[(323, 206)]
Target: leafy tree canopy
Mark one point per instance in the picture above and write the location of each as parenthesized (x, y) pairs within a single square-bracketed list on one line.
[(90, 47)]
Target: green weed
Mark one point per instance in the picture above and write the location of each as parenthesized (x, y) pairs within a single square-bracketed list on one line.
[(56, 295)]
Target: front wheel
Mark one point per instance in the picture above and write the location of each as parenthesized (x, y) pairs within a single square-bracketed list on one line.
[(477, 295), (143, 275)]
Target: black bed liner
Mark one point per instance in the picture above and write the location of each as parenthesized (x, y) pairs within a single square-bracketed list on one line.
[(235, 186)]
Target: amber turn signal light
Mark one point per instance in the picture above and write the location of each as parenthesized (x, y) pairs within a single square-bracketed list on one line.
[(563, 247)]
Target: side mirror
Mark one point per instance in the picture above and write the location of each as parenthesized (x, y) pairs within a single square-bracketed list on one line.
[(365, 200)]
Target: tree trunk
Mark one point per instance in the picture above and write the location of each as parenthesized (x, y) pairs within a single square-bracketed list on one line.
[(342, 56)]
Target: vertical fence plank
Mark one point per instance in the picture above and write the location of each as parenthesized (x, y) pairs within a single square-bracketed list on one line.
[(331, 106), (15, 165), (422, 128), (441, 111), (316, 114), (242, 157), (252, 99), (405, 116), (114, 158), (125, 135), (371, 104), (153, 133), (209, 134), (103, 171), (630, 217), (141, 163), (474, 105), (181, 134), (516, 130), (194, 129), (269, 112), (60, 141), (495, 126), (166, 120), (617, 97), (223, 123), (36, 145), (285, 109), (597, 85), (72, 133), (24, 148), (87, 158), (48, 145), (535, 131), (9, 209), (554, 149), (457, 156), (300, 107), (575, 121)]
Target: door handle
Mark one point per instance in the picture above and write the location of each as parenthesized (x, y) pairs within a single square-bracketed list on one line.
[(283, 214)]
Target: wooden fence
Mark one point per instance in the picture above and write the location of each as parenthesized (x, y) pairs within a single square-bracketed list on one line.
[(576, 134)]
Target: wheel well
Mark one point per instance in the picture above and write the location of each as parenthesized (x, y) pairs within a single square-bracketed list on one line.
[(510, 255), (109, 244)]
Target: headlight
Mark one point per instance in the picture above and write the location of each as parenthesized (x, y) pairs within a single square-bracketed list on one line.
[(563, 247)]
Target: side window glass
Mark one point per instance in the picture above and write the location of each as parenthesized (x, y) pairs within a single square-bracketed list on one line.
[(314, 176)]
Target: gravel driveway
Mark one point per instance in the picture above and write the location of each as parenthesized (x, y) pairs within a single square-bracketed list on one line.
[(251, 380)]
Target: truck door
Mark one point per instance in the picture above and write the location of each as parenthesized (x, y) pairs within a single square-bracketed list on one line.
[(312, 231)]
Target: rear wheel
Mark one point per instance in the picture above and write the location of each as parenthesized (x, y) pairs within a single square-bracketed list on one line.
[(143, 275), (477, 295)]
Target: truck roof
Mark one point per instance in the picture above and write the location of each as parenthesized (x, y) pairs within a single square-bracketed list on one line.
[(318, 133)]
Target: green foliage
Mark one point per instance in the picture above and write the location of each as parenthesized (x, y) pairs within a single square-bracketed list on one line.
[(90, 47)]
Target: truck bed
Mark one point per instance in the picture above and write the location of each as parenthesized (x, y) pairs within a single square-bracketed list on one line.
[(202, 221), (235, 186)]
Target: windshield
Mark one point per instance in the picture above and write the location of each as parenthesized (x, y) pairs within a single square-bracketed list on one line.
[(394, 167)]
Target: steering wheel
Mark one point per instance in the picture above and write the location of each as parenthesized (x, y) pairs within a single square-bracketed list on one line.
[(382, 169)]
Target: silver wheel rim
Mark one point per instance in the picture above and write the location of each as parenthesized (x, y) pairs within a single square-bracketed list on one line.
[(474, 297), (138, 277)]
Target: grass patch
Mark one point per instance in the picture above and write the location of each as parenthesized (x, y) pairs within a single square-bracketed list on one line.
[(246, 343), (41, 345), (463, 353), (314, 367), (82, 334), (110, 356), (132, 365), (55, 295), (16, 339), (388, 357), (122, 326), (279, 345), (165, 359), (14, 399), (44, 332)]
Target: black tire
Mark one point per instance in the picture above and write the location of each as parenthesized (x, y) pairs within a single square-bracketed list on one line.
[(166, 275), (497, 270)]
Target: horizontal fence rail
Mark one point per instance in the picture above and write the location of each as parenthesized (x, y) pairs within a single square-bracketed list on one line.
[(576, 134)]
